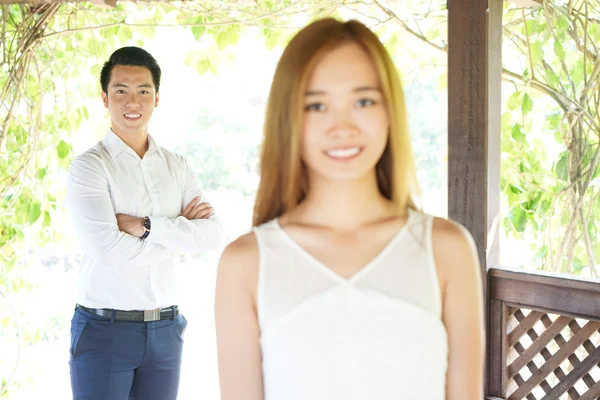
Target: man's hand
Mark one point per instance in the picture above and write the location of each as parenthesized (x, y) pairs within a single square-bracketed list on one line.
[(132, 225), (197, 210)]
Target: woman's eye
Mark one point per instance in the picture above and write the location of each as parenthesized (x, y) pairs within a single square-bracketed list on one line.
[(366, 103), (315, 107)]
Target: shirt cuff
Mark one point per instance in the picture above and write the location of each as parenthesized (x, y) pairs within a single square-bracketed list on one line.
[(158, 229)]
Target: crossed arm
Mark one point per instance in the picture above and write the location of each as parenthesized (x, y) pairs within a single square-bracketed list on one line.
[(194, 210), (114, 239)]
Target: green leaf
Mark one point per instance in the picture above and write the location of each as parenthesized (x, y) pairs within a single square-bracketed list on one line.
[(517, 134), (514, 101), (47, 219), (527, 105), (532, 25), (537, 52), (563, 22), (578, 265), (272, 39), (554, 120), (541, 28), (577, 72), (558, 50), (558, 136), (63, 149), (552, 78), (198, 31), (41, 173), (543, 206), (516, 189), (7, 233), (562, 168), (203, 65), (518, 217), (34, 210), (109, 33), (159, 14), (228, 37)]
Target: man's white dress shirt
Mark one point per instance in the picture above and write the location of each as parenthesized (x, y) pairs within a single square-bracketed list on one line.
[(119, 270)]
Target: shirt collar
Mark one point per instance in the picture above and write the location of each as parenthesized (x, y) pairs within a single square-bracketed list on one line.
[(115, 145), (152, 147)]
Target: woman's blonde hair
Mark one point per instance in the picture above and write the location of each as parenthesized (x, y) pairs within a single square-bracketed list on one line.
[(282, 173)]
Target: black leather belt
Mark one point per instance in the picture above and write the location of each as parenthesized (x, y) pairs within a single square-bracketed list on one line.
[(135, 316)]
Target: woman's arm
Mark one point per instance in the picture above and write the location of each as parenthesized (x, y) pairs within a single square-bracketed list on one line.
[(238, 333), (462, 311)]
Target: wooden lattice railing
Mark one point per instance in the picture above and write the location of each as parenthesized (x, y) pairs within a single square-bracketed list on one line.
[(544, 336)]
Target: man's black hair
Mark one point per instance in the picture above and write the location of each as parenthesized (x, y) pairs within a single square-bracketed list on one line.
[(133, 56)]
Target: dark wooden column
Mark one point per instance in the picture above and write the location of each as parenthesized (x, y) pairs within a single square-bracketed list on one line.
[(474, 110)]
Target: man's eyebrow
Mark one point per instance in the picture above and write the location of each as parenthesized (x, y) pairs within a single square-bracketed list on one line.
[(144, 85)]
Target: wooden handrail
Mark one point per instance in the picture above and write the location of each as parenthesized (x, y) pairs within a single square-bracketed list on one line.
[(511, 291), (553, 293)]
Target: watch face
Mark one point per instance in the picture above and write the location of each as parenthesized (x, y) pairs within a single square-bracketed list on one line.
[(147, 223)]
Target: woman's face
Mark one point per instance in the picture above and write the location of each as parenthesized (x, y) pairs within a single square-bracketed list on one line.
[(346, 124)]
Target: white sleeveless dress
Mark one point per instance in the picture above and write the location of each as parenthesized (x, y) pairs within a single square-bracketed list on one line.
[(375, 336)]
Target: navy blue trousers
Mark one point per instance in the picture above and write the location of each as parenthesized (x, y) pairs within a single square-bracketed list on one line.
[(117, 360)]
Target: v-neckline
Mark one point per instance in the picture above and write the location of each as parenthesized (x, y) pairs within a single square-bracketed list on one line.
[(328, 270)]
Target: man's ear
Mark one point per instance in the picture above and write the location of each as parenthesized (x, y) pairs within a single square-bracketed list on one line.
[(156, 99), (105, 99)]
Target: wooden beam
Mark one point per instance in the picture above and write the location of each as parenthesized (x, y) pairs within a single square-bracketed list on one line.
[(105, 3), (474, 123)]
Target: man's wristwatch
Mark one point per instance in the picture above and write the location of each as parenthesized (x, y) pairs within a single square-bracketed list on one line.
[(146, 225)]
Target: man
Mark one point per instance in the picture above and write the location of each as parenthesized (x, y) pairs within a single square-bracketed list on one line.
[(134, 206)]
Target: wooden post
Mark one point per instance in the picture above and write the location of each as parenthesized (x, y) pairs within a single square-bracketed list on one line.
[(498, 349), (474, 115)]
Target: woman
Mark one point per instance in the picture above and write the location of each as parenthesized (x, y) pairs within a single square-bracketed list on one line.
[(344, 290)]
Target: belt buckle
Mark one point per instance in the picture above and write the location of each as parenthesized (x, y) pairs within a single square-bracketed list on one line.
[(152, 315)]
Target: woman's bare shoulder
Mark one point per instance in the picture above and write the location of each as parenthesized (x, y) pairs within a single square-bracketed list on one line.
[(453, 246), (239, 260)]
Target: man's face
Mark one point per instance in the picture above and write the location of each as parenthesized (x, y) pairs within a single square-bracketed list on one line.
[(131, 99)]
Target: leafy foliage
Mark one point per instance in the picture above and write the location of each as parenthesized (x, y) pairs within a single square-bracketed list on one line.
[(551, 131)]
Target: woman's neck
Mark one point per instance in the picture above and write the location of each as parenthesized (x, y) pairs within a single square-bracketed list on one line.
[(343, 205)]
